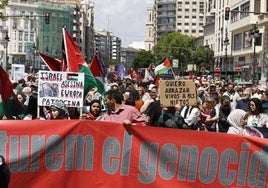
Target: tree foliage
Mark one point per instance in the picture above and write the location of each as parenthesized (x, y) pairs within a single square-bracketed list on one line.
[(3, 4), (184, 48), (143, 59)]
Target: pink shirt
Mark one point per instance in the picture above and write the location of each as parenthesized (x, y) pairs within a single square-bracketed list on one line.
[(125, 112)]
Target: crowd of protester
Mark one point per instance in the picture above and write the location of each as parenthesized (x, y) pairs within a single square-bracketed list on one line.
[(223, 107)]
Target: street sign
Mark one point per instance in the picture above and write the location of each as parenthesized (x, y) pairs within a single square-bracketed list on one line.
[(175, 63)]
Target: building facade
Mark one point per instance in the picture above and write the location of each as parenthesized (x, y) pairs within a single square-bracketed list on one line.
[(233, 41), (239, 53), (29, 31), (150, 32), (184, 16), (108, 44), (248, 26)]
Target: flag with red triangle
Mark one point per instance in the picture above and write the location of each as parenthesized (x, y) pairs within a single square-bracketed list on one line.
[(96, 69), (6, 92), (147, 75), (52, 63), (74, 57), (102, 67), (75, 62), (150, 68), (163, 67)]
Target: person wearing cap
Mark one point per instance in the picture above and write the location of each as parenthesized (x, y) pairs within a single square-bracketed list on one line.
[(201, 94), (58, 111)]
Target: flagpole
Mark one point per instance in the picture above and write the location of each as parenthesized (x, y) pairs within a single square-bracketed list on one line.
[(38, 112), (81, 113), (173, 73)]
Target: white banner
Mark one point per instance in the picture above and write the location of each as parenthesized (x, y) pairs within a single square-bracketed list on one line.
[(64, 86)]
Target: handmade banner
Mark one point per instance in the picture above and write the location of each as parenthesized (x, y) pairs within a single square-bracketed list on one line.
[(67, 154), (173, 92), (65, 86)]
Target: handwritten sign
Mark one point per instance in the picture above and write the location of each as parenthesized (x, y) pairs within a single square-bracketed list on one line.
[(67, 87), (174, 92)]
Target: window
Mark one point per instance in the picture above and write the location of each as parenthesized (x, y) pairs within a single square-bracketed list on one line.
[(235, 15), (26, 24), (26, 36), (31, 37), (238, 41), (20, 47), (244, 7), (247, 42), (20, 35)]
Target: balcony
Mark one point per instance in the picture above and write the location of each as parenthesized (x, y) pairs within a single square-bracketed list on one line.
[(161, 2)]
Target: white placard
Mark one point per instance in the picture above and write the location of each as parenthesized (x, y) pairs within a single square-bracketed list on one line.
[(64, 86)]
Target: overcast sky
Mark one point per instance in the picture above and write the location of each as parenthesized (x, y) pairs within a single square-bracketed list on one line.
[(124, 18)]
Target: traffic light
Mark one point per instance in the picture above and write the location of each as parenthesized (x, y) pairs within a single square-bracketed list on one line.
[(47, 18), (227, 13)]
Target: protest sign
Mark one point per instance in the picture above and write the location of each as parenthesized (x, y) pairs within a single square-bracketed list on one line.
[(65, 86), (174, 92)]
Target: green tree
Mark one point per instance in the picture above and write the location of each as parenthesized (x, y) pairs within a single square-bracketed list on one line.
[(3, 4), (184, 48), (143, 59)]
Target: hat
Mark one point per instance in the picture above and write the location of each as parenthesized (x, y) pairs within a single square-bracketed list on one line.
[(34, 85), (59, 106), (262, 87), (200, 89), (151, 86)]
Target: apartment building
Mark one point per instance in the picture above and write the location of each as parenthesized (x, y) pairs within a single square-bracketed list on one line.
[(108, 44), (184, 16), (248, 26), (233, 41), (28, 32)]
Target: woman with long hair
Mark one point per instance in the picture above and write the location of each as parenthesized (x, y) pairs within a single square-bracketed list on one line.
[(256, 115)]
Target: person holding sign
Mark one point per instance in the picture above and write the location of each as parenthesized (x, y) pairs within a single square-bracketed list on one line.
[(154, 108), (120, 112)]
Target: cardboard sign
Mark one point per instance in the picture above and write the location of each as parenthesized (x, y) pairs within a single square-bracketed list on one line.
[(174, 92), (65, 86)]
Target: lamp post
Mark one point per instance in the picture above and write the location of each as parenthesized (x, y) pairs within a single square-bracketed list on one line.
[(6, 46), (226, 43), (254, 35), (207, 49), (34, 64)]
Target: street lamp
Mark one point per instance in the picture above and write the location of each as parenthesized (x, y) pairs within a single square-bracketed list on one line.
[(34, 49), (254, 35), (207, 49), (226, 43), (6, 46)]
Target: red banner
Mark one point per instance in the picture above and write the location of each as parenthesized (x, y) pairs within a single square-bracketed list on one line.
[(68, 154)]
